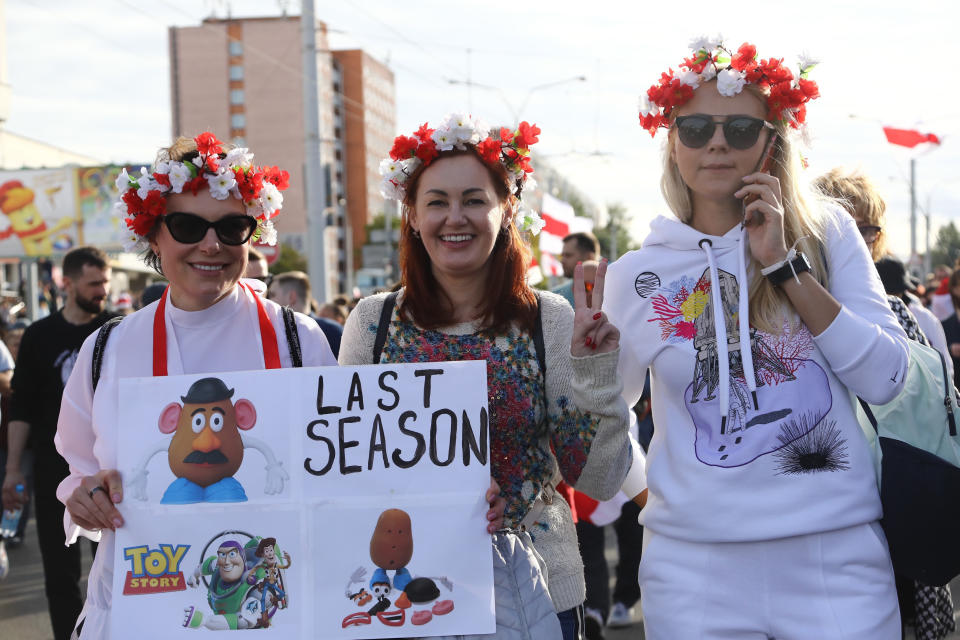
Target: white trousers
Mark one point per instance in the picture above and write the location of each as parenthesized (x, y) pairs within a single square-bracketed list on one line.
[(836, 585)]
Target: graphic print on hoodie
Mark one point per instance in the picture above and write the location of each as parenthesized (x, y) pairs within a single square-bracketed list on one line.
[(777, 396)]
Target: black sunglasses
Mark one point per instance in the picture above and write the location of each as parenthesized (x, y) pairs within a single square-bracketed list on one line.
[(870, 233), (189, 228), (741, 132)]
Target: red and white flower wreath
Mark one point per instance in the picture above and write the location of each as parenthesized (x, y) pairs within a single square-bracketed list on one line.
[(233, 173), (508, 147), (786, 94)]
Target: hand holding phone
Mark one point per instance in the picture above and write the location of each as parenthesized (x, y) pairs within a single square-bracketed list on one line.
[(763, 166)]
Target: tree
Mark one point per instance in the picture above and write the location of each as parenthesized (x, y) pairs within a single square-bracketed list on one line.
[(946, 249), (289, 260), (617, 229)]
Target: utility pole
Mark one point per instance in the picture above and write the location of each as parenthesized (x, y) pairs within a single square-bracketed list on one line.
[(927, 260), (913, 208), (314, 180)]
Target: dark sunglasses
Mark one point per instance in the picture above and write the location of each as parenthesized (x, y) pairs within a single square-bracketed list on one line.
[(870, 233), (189, 228), (741, 132)]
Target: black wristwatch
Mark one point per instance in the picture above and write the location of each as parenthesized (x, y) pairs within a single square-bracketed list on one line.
[(784, 273)]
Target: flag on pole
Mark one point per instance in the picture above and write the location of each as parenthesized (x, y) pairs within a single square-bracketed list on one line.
[(909, 137), (560, 220)]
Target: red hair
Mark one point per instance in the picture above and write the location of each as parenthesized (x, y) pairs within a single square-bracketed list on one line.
[(507, 299)]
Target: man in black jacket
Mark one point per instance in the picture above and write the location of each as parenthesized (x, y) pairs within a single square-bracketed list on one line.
[(48, 351)]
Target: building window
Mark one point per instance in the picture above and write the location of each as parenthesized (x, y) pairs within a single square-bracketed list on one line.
[(238, 121), (236, 48), (236, 72), (236, 96)]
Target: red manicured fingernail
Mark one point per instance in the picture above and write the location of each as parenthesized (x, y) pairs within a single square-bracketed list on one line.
[(597, 316), (594, 346), (587, 341), (579, 263)]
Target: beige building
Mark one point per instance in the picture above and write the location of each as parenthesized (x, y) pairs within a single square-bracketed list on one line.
[(241, 79)]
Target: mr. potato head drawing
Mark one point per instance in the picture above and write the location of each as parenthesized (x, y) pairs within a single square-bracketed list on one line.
[(207, 447)]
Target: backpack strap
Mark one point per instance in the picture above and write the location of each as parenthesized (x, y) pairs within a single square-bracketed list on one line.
[(289, 324), (293, 337), (384, 325), (100, 346)]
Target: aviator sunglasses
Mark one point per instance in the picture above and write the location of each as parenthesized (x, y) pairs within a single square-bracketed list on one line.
[(741, 132), (189, 228)]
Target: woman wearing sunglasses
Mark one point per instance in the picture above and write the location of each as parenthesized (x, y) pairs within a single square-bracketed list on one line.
[(555, 409), (194, 214), (757, 311)]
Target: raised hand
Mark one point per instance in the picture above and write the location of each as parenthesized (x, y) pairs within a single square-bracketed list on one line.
[(592, 332)]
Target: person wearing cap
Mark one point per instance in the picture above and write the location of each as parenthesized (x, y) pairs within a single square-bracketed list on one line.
[(151, 293), (898, 283)]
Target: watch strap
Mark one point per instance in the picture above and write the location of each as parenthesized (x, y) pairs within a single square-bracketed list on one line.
[(789, 269)]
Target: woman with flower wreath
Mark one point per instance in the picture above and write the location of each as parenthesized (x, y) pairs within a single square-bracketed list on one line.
[(758, 312), (194, 215), (554, 395)]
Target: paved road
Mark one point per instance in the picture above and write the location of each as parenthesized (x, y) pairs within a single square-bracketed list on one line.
[(23, 606)]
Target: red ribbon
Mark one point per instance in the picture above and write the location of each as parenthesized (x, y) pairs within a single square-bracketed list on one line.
[(268, 336)]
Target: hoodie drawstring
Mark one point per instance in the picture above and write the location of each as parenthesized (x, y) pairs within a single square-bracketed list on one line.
[(743, 315), (720, 327)]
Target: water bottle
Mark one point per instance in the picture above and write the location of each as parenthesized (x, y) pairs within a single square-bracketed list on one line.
[(11, 519)]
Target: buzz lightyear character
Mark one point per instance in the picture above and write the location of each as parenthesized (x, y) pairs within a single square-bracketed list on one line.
[(231, 594)]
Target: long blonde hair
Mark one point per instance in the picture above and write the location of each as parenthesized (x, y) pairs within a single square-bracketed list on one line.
[(802, 216), (856, 192)]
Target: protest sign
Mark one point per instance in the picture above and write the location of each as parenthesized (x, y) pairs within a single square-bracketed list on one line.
[(333, 502)]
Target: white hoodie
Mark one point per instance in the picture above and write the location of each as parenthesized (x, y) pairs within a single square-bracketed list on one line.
[(755, 436)]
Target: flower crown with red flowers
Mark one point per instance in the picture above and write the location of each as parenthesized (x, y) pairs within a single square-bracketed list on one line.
[(233, 173), (511, 148), (787, 96)]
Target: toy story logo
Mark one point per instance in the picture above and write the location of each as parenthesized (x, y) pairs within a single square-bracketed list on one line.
[(154, 570), (358, 490)]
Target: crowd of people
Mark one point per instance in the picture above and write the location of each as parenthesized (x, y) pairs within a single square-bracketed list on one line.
[(700, 386)]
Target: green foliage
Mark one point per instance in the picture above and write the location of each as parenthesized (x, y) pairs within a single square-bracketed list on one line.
[(290, 260), (618, 227), (946, 249)]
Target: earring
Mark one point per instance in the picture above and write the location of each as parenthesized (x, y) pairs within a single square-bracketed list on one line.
[(416, 234)]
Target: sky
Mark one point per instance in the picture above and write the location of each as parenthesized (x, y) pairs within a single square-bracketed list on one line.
[(93, 77)]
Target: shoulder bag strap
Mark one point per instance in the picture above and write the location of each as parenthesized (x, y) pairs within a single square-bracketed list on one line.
[(385, 314)]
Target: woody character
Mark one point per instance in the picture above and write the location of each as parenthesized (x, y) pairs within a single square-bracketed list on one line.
[(271, 576), (16, 202)]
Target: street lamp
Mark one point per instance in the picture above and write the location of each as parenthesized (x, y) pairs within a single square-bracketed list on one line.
[(516, 113)]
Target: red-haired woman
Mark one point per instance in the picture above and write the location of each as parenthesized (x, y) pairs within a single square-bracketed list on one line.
[(554, 406)]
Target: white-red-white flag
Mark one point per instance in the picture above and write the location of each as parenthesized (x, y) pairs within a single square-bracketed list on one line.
[(560, 220), (550, 265)]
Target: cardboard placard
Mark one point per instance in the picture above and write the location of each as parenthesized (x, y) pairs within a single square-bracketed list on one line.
[(333, 502)]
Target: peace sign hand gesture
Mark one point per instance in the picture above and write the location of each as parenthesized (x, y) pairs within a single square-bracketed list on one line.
[(592, 332)]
